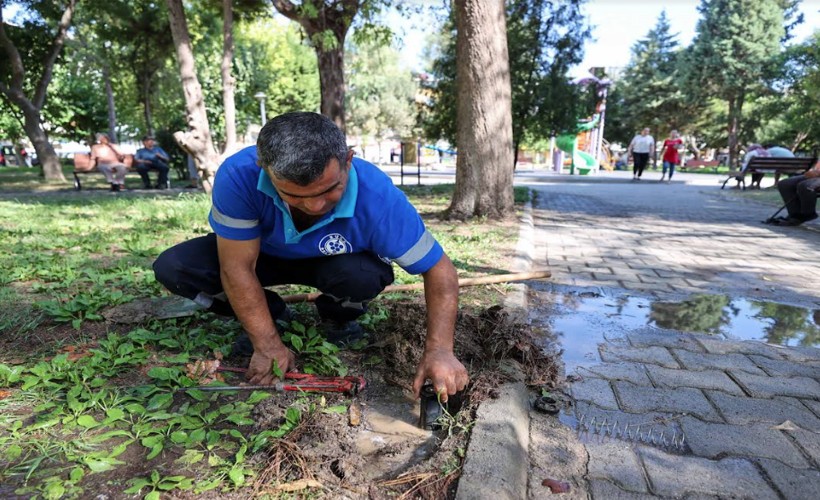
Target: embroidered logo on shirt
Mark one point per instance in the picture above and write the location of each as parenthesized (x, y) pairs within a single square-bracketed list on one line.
[(334, 244)]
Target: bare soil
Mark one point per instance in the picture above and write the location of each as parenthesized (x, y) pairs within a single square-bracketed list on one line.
[(386, 455), (375, 449)]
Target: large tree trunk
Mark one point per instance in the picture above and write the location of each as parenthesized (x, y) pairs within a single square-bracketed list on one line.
[(325, 18), (228, 81), (49, 161), (332, 83), (31, 106), (484, 168), (197, 140)]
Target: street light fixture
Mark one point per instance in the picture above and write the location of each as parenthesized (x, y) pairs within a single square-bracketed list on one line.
[(260, 96)]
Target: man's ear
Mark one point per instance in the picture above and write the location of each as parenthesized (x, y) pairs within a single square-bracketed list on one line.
[(349, 158)]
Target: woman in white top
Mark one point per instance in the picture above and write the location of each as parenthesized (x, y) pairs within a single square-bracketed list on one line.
[(641, 148)]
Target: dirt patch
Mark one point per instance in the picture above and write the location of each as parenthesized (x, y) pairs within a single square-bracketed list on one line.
[(387, 454), (367, 446)]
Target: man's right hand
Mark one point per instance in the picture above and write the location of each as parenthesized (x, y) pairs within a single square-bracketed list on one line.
[(260, 369)]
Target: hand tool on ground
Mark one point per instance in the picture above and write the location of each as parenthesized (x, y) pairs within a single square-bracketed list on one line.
[(178, 307), (462, 282), (304, 382)]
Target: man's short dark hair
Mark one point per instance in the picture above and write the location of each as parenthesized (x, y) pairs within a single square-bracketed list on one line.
[(297, 146), (147, 137)]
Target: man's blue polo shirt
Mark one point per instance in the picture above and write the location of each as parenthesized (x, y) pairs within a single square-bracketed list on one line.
[(372, 216)]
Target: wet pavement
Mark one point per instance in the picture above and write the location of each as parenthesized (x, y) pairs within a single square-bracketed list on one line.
[(689, 331)]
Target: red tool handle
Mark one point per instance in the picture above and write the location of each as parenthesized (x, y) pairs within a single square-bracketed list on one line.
[(307, 382)]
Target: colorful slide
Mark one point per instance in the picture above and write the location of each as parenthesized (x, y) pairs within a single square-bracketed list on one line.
[(568, 143)]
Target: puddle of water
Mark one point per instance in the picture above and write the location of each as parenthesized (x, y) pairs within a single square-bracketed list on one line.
[(582, 321), (391, 435)]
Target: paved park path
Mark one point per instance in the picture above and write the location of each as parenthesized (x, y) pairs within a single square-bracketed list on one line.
[(749, 411)]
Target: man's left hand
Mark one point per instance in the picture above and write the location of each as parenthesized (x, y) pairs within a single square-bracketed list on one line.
[(446, 373)]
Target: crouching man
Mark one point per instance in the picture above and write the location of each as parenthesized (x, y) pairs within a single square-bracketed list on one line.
[(299, 209)]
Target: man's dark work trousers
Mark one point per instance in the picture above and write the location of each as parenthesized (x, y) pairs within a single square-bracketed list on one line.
[(347, 281)]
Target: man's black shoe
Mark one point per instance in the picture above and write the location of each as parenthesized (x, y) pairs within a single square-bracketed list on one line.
[(243, 346), (342, 333), (791, 221)]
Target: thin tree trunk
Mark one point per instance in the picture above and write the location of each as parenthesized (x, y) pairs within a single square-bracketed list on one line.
[(147, 109), (32, 106), (197, 140), (332, 83), (798, 140), (228, 81), (735, 108), (112, 110), (483, 112)]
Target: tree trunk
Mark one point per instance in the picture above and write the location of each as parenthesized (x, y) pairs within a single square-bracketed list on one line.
[(147, 110), (798, 140), (516, 145), (332, 83), (31, 106), (735, 110), (49, 161), (484, 113), (197, 140), (228, 81), (112, 110), (322, 19)]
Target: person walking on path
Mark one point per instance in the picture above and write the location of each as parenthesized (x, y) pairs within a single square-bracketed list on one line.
[(641, 148), (152, 157), (109, 161), (799, 193), (670, 154), (298, 208)]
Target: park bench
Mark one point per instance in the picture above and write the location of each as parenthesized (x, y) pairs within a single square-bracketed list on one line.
[(764, 164), (699, 164), (82, 165)]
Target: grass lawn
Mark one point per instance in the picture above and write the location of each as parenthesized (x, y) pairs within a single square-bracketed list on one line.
[(89, 407)]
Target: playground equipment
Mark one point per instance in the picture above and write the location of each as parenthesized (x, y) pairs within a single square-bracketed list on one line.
[(582, 162), (586, 143)]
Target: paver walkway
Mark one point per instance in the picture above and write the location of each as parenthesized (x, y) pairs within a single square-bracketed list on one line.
[(750, 412)]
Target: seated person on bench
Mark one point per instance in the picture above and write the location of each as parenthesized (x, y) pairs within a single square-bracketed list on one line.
[(753, 151), (109, 161), (778, 152), (799, 193), (152, 157)]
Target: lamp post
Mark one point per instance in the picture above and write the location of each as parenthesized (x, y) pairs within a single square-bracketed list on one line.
[(260, 96)]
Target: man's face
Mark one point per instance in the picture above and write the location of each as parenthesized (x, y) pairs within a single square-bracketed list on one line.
[(645, 131), (320, 196), (148, 143)]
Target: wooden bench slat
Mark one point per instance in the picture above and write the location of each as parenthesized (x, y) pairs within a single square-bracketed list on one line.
[(82, 165), (767, 164)]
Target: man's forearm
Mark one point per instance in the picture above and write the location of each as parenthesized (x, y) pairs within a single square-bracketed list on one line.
[(441, 297), (247, 299)]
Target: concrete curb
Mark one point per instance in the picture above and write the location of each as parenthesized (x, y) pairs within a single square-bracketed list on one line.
[(497, 461)]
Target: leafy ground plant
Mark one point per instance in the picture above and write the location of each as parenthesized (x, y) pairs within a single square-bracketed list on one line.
[(88, 407)]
